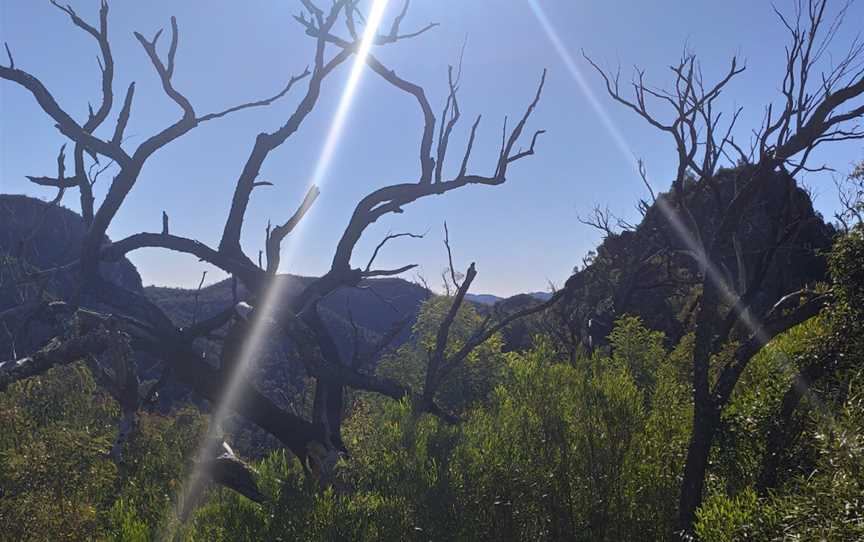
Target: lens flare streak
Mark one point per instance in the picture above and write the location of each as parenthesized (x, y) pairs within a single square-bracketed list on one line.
[(681, 231), (259, 333)]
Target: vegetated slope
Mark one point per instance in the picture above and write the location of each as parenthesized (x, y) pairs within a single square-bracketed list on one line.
[(374, 307), (35, 236)]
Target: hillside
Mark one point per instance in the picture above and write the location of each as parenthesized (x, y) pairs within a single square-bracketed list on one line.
[(47, 236), (36, 236), (375, 306), (645, 271)]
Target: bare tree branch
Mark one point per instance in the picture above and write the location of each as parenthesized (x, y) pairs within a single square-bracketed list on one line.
[(277, 234), (389, 237)]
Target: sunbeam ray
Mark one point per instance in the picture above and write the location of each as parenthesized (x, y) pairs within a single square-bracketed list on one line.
[(681, 231), (273, 295)]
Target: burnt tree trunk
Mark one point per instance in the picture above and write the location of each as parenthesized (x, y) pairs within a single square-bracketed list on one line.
[(706, 421)]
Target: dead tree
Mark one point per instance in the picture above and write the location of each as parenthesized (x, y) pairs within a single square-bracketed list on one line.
[(148, 329), (814, 109), (850, 193)]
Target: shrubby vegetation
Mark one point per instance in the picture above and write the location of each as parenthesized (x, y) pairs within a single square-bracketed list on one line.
[(818, 493), (700, 377), (591, 450), (553, 451), (57, 480), (546, 448)]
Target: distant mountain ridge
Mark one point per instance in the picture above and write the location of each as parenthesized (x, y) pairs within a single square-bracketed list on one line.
[(492, 299), (43, 236), (374, 307), (36, 236)]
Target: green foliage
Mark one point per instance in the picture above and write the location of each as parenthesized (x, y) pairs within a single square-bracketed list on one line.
[(661, 448), (755, 404), (296, 510), (639, 349), (550, 456), (727, 519), (819, 495), (847, 270), (555, 452), (588, 449), (127, 524), (471, 381), (57, 480), (55, 432), (155, 462), (823, 504), (828, 503)]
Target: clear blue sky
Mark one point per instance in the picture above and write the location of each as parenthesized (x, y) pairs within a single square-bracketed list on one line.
[(522, 234)]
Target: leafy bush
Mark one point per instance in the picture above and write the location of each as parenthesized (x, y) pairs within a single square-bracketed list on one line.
[(555, 451), (57, 480), (55, 433)]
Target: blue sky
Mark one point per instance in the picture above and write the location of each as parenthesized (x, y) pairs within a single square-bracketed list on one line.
[(522, 234)]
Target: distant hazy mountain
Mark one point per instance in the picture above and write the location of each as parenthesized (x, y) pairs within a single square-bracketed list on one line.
[(35, 235), (490, 299), (542, 296), (483, 299)]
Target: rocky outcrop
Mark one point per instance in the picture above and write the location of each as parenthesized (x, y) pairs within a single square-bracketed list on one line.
[(646, 271), (37, 236), (43, 236)]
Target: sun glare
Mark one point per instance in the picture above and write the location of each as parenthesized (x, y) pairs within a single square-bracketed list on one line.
[(257, 336)]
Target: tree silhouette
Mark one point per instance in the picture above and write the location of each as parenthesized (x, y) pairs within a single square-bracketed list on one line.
[(106, 314)]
